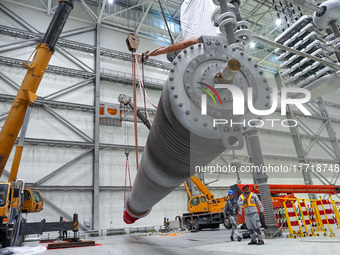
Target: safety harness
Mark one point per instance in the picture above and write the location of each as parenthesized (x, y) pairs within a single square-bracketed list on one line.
[(249, 200)]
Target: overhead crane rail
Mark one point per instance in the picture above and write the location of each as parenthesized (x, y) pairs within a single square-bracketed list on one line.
[(82, 47), (106, 74)]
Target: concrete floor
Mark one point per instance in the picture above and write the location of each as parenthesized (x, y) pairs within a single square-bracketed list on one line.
[(203, 242)]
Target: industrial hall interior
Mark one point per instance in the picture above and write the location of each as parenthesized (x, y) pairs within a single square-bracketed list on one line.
[(167, 127)]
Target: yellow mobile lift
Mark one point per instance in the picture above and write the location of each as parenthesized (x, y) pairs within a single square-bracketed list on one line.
[(15, 199), (205, 211)]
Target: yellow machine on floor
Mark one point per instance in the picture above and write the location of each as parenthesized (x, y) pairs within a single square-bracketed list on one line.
[(205, 211)]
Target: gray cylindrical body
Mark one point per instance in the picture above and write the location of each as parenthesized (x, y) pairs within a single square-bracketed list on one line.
[(321, 86), (169, 158), (182, 138), (229, 30), (261, 178), (331, 14)]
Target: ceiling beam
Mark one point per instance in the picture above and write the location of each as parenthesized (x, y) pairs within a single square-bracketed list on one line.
[(88, 9), (100, 16), (144, 16), (49, 6), (119, 12)]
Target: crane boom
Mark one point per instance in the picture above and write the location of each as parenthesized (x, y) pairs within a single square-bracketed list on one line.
[(26, 94), (316, 189), (188, 190), (291, 188), (200, 185)]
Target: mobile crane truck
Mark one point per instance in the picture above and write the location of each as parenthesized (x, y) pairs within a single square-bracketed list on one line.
[(205, 211), (15, 199)]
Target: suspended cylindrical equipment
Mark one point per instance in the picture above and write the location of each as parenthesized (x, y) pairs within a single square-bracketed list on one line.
[(181, 137)]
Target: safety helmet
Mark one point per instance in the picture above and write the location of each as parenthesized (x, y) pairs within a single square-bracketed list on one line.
[(230, 192), (245, 185)]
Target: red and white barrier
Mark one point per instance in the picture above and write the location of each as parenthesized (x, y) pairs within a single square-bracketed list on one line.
[(293, 220), (326, 211)]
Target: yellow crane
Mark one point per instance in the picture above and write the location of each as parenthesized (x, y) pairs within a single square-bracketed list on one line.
[(205, 211), (15, 199)]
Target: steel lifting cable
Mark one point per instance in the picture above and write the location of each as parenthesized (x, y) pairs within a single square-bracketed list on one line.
[(142, 86), (127, 165), (143, 91), (135, 106), (166, 23), (127, 171)]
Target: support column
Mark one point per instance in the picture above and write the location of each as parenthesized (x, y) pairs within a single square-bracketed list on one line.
[(261, 178), (228, 28), (297, 141), (249, 153), (95, 213), (332, 135)]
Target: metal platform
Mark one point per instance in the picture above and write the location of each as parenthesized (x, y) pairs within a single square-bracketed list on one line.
[(71, 244)]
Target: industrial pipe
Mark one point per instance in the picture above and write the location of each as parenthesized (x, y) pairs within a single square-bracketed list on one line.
[(330, 14), (229, 71), (308, 6), (300, 53), (336, 32), (321, 86)]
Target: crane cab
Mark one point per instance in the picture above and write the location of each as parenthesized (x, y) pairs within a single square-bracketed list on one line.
[(33, 201), (198, 204), (9, 201), (4, 191)]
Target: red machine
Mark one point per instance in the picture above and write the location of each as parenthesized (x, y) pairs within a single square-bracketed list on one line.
[(285, 192)]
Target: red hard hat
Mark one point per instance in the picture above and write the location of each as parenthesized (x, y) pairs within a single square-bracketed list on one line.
[(245, 185)]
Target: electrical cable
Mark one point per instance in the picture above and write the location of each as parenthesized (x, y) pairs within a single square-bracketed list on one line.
[(127, 171), (135, 106), (141, 87), (144, 92), (127, 165)]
